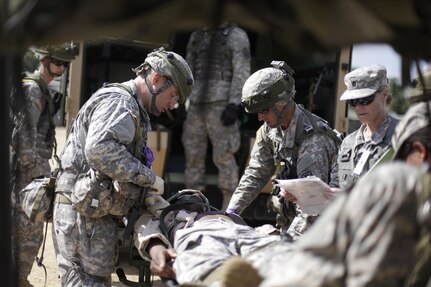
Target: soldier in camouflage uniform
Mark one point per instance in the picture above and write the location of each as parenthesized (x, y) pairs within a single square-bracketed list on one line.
[(292, 141), (108, 140), (376, 234), (199, 238), (220, 61), (379, 232), (368, 93), (32, 142)]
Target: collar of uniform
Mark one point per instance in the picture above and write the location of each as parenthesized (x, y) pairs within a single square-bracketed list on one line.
[(287, 137), (132, 86), (378, 136), (144, 113), (37, 74)]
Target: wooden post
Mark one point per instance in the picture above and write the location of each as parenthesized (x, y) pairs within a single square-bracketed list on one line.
[(340, 121), (73, 101)]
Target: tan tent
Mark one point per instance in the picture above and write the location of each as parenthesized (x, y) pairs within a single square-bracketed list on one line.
[(299, 24)]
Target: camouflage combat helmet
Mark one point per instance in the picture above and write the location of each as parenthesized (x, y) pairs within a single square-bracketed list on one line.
[(189, 199), (173, 66), (418, 115), (64, 52), (268, 86), (189, 196)]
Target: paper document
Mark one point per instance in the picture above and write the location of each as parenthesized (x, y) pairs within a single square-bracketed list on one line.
[(308, 191)]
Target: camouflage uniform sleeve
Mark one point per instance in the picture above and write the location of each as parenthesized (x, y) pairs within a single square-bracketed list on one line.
[(110, 131), (334, 181), (259, 170), (317, 156), (146, 232), (334, 175), (241, 58), (357, 240), (147, 226), (381, 214), (27, 143)]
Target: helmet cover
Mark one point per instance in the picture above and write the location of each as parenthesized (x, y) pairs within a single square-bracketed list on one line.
[(266, 87)]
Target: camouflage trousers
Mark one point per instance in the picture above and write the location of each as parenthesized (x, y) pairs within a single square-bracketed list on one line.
[(27, 239), (85, 248), (27, 236), (203, 121), (208, 243)]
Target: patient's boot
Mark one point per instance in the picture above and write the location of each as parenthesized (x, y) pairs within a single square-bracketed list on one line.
[(227, 195), (24, 283), (237, 272)]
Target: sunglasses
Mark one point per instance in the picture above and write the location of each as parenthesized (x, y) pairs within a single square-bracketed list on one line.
[(362, 101), (59, 63)]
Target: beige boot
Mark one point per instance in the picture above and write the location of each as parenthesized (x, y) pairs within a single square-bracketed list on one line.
[(227, 195), (24, 283), (237, 272)]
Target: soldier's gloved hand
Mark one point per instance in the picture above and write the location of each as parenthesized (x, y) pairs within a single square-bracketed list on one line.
[(229, 115), (158, 186), (231, 211)]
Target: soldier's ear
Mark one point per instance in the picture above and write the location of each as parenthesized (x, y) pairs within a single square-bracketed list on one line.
[(156, 78), (420, 149), (44, 61)]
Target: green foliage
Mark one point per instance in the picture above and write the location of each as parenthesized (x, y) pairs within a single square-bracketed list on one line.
[(398, 104)]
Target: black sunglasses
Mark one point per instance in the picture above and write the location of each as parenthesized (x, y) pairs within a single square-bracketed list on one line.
[(59, 63), (362, 101)]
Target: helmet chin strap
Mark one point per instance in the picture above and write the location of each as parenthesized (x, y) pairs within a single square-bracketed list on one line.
[(46, 65), (153, 108), (280, 114)]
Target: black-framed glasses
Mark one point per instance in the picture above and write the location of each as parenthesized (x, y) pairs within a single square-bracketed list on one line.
[(362, 101), (59, 63)]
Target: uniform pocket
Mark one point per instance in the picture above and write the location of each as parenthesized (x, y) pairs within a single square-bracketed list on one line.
[(64, 218)]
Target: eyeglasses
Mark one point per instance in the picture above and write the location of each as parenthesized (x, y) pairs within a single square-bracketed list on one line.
[(174, 99), (362, 101), (59, 63)]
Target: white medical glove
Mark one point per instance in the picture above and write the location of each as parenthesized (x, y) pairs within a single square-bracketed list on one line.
[(158, 186)]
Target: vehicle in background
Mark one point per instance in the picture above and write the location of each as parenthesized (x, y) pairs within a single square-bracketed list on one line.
[(110, 60)]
